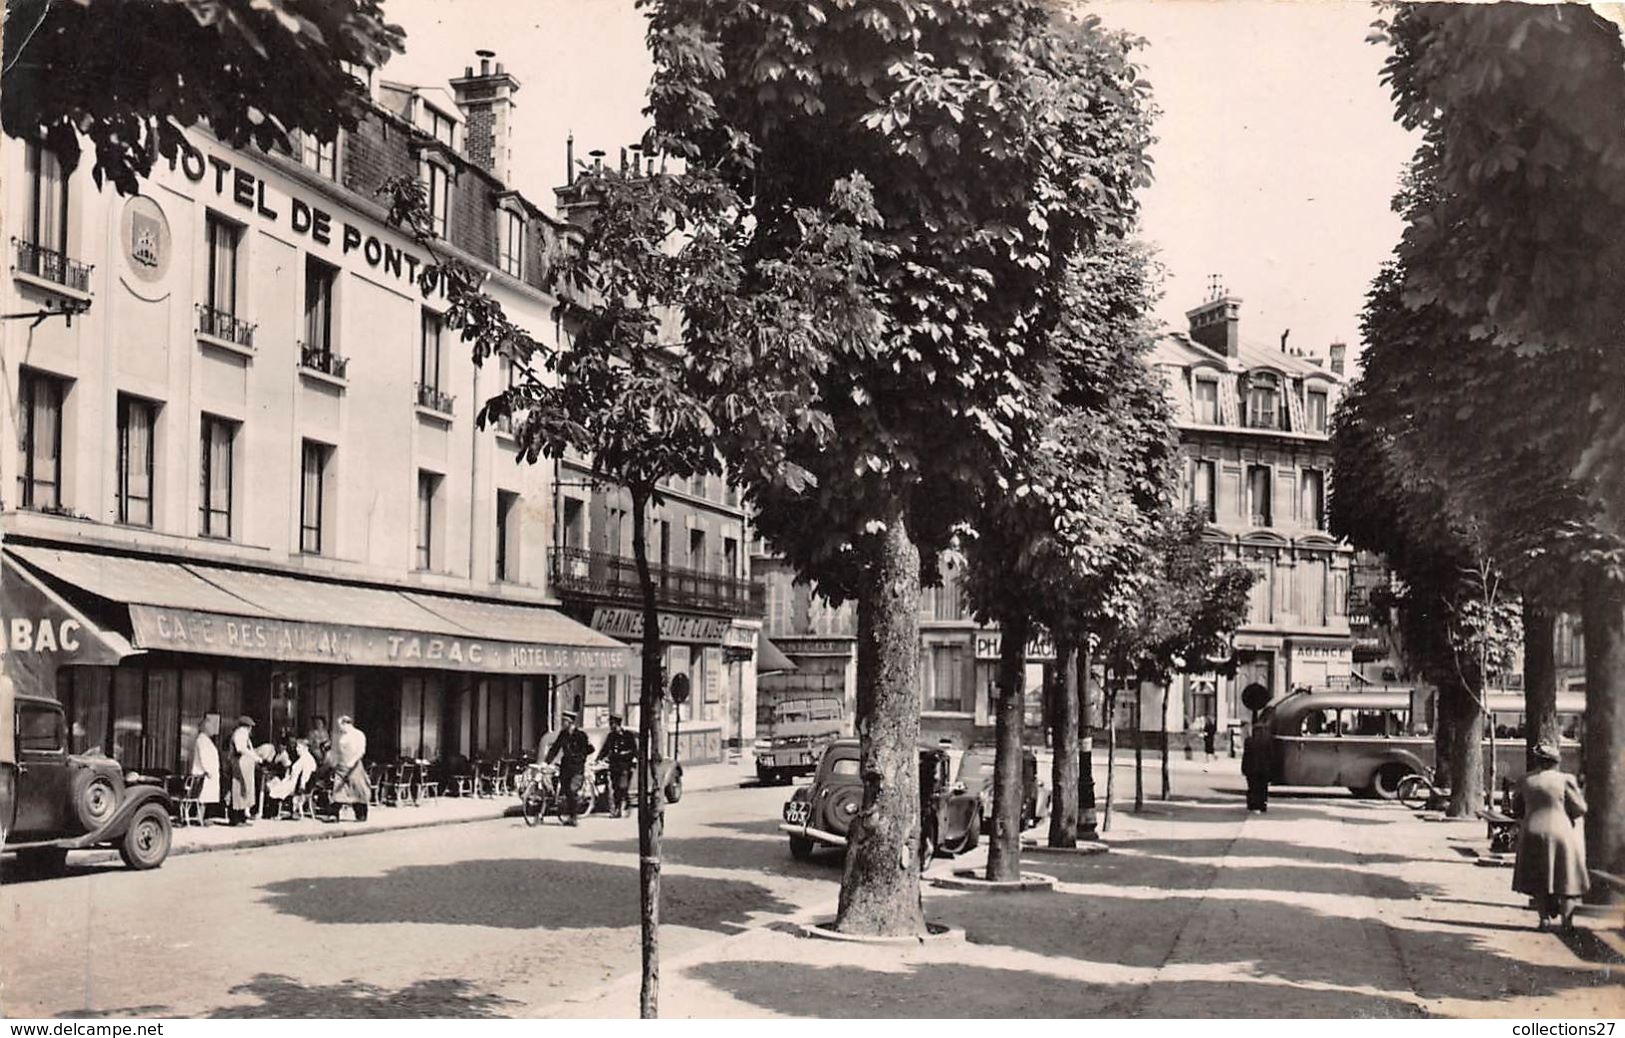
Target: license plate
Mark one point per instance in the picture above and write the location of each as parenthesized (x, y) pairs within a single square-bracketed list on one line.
[(796, 812)]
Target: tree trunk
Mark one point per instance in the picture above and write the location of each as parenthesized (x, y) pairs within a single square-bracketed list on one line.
[(1065, 767), (1466, 751), (651, 806), (1603, 751), (1167, 690), (1539, 675), (880, 889), (1004, 849), (1111, 750), (1139, 747)]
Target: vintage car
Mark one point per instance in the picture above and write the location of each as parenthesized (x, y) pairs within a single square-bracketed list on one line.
[(976, 776), (53, 801), (820, 814)]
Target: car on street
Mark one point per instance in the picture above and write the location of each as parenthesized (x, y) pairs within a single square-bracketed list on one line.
[(53, 801), (821, 814), (975, 776)]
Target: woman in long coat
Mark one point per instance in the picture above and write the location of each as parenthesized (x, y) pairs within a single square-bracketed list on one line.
[(206, 762), (243, 762), (1551, 862), (350, 785)]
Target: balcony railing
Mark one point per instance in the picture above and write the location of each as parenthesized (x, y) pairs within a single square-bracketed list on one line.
[(225, 326), (52, 266), (602, 575), (320, 358), (434, 399)]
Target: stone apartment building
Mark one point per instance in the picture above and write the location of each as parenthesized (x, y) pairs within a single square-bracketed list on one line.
[(246, 475)]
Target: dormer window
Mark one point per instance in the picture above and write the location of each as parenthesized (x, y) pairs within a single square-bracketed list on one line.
[(1317, 410), (441, 126), (316, 154), (512, 243), (1207, 401), (437, 183), (1263, 406)]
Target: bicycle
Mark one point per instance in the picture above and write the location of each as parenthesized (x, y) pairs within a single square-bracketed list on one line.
[(540, 794), (1422, 791)]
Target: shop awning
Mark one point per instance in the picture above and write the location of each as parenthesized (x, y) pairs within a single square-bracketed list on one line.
[(769, 659), (225, 611)]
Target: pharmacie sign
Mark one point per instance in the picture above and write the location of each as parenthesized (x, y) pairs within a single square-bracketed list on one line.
[(988, 644), (254, 194), (187, 630), (674, 627)]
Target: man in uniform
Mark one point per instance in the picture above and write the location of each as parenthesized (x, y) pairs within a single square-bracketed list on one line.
[(571, 749), (620, 752)]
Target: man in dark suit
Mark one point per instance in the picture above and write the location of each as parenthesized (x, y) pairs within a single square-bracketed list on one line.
[(571, 749)]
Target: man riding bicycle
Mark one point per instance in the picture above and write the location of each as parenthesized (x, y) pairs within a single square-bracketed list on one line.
[(620, 752), (571, 748)]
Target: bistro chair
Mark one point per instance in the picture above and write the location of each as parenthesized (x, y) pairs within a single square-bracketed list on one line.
[(429, 779), (486, 771), (406, 781), (375, 779), (298, 804), (464, 781), (187, 792)]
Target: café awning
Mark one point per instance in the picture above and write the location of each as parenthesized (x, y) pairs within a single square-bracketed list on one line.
[(228, 611), (769, 659)]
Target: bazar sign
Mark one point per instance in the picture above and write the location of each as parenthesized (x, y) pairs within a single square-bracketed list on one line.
[(988, 643), (674, 627), (187, 630)]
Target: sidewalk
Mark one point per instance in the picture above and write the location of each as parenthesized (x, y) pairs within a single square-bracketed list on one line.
[(194, 839), (1322, 908)]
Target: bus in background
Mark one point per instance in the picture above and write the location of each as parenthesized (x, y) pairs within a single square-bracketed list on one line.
[(793, 726), (1369, 741)]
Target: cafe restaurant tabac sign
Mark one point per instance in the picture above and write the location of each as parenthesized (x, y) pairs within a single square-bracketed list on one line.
[(186, 630), (674, 627)]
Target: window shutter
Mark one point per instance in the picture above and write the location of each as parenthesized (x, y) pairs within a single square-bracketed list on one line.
[(1229, 399), (1180, 398), (1294, 409)]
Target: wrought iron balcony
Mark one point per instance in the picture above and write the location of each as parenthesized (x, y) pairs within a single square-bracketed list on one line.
[(614, 578), (229, 327), (52, 266), (432, 398), (320, 358)]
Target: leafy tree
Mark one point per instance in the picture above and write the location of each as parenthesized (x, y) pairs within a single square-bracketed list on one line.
[(129, 78), (622, 391), (1189, 607), (1519, 239), (1070, 518), (997, 138)]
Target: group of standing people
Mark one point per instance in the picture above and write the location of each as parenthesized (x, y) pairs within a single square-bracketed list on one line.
[(571, 747), (298, 765)]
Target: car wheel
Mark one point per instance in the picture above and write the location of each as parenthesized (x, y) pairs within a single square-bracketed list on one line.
[(801, 848), (146, 841), (674, 788), (95, 799), (42, 861), (1385, 783)]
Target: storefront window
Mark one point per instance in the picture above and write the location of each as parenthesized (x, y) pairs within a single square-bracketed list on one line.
[(163, 720), (127, 695), (85, 699)]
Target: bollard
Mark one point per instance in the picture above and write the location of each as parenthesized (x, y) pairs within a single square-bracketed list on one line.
[(1088, 824)]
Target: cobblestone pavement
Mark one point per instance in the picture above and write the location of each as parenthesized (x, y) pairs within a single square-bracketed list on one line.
[(487, 918)]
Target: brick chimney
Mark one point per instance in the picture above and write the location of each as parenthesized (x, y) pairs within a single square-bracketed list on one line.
[(1339, 352), (1216, 324), (486, 97)]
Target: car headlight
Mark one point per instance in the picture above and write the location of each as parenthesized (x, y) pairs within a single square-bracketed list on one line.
[(850, 808)]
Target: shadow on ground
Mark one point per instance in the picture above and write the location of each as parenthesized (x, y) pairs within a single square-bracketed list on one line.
[(519, 893), (851, 992), (285, 998), (728, 852)]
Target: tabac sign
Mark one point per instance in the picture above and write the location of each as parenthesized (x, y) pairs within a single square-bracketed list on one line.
[(188, 630), (674, 627)]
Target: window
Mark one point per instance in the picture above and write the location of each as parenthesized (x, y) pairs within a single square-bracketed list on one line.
[(1312, 499), (664, 527), (575, 523), (319, 281), (429, 352), (696, 550), (946, 675), (47, 205), (136, 419), (1207, 401), (1258, 495), (1317, 410), (319, 155), (513, 243), (441, 126), (1319, 722), (439, 190), (730, 557), (312, 494), (215, 477), (1203, 489), (1262, 412), (223, 240), (428, 491), (39, 469), (40, 729), (507, 535), (614, 532)]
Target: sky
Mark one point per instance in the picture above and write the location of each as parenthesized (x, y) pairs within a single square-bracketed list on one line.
[(1276, 159)]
